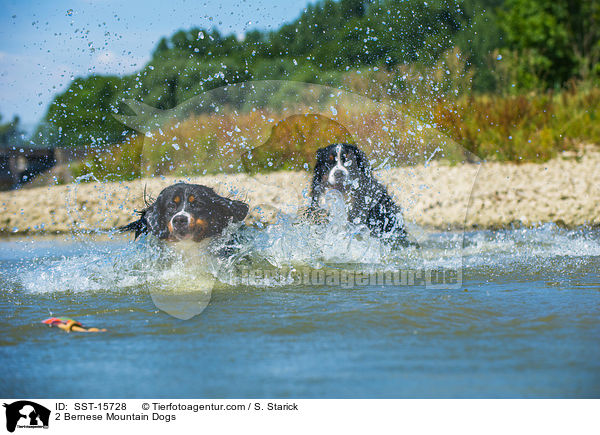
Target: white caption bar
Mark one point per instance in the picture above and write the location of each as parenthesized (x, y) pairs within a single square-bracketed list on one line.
[(90, 416)]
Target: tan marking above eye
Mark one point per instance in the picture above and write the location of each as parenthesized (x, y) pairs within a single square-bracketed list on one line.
[(331, 157), (191, 198), (177, 200)]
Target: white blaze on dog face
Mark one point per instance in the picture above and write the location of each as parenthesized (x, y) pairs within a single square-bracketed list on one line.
[(181, 219), (338, 166), (177, 215), (174, 224)]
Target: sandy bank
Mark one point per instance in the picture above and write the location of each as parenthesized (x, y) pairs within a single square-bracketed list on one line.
[(490, 195)]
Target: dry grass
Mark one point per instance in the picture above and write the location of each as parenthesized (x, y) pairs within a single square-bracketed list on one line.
[(532, 127), (394, 132)]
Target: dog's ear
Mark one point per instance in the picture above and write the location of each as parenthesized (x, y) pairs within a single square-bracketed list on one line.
[(153, 223), (139, 227), (320, 157), (361, 160), (238, 209), (147, 223), (233, 208)]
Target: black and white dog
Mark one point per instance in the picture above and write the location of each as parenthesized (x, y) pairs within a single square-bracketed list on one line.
[(345, 168), (187, 212)]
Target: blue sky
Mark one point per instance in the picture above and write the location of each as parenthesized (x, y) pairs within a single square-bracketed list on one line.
[(45, 44)]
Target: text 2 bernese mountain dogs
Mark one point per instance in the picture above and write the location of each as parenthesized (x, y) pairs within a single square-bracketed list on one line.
[(345, 168), (187, 212)]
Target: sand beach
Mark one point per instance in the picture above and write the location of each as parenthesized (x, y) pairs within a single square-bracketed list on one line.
[(564, 190)]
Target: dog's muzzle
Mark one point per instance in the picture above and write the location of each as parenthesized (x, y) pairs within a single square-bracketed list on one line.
[(181, 224), (337, 176)]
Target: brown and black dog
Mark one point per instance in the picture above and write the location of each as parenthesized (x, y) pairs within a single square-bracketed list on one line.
[(187, 212)]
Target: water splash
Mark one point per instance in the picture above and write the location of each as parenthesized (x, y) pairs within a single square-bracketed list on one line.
[(289, 246)]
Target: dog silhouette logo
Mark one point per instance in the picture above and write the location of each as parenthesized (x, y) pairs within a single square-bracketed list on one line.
[(26, 414)]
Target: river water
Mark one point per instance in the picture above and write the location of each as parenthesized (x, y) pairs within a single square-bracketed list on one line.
[(291, 312)]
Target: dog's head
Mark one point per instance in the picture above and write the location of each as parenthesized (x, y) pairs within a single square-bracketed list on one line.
[(342, 167), (189, 211)]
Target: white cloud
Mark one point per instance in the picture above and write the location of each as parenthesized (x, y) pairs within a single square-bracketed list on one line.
[(109, 62)]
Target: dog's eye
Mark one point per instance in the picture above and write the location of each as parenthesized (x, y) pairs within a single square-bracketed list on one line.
[(191, 199), (177, 200)]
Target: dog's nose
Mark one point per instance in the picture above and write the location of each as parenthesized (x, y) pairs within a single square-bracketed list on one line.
[(180, 221), (338, 176)]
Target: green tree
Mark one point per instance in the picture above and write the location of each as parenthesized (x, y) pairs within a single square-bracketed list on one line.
[(11, 134), (328, 37), (479, 38), (353, 8), (555, 40), (83, 114)]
